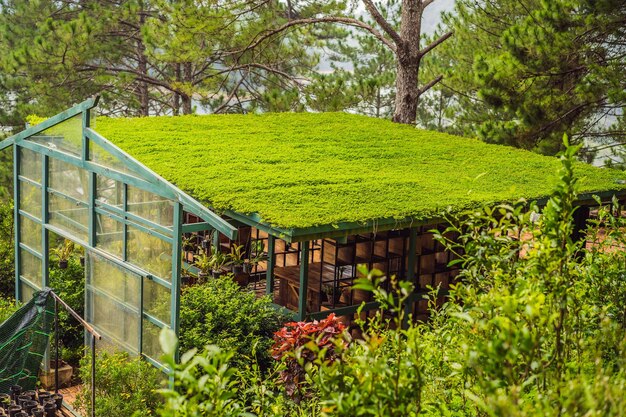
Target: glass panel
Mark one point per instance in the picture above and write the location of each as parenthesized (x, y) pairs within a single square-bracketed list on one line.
[(30, 199), (67, 215), (30, 164), (30, 233), (151, 346), (150, 253), (66, 136), (26, 292), (30, 268), (156, 300), (69, 180), (113, 297), (116, 282), (109, 191), (110, 235), (100, 156), (150, 207)]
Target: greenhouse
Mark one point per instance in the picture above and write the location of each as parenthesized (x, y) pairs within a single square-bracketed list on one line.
[(291, 204)]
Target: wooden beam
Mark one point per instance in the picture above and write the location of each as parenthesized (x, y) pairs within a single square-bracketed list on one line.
[(304, 280), (271, 262)]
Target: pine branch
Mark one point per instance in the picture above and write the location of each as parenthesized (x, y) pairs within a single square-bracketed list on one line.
[(348, 21), (389, 30), (435, 43), (430, 85)]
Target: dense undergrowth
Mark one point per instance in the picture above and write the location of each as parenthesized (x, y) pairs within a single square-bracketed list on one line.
[(535, 328)]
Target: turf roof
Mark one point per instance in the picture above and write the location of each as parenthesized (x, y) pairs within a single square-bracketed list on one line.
[(303, 170)]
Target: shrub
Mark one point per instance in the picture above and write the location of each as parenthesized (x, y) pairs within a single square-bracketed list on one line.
[(8, 306), (125, 386), (300, 345), (69, 285), (218, 312), (7, 250)]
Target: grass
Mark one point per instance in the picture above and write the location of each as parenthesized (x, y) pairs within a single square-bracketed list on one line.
[(303, 170)]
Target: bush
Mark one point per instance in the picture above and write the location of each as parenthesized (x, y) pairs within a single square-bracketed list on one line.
[(7, 250), (301, 345), (125, 386), (534, 328), (8, 306), (69, 285), (220, 313)]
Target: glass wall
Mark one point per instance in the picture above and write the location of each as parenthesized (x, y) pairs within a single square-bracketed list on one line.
[(30, 250), (127, 231)]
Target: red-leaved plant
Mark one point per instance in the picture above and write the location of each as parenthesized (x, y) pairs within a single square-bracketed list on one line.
[(302, 344)]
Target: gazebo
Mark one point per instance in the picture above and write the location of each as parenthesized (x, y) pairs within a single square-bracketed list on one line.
[(315, 194)]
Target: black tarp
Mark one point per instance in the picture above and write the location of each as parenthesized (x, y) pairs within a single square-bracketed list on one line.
[(24, 338)]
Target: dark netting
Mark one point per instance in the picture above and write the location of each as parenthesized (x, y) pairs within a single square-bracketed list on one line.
[(24, 338)]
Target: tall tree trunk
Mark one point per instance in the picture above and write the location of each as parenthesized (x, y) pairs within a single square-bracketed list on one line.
[(144, 98), (408, 62), (186, 98), (176, 98)]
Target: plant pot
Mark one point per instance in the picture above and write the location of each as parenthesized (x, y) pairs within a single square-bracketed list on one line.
[(237, 269), (63, 264), (22, 399), (29, 405), (65, 376), (242, 278), (50, 409), (5, 401), (44, 396), (202, 276), (216, 274), (14, 409), (38, 411), (58, 400), (16, 391)]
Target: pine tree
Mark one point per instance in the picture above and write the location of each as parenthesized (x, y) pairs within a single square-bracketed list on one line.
[(524, 73)]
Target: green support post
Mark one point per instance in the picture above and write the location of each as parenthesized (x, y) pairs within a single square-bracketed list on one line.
[(271, 262), (176, 268), (92, 180), (44, 220), (216, 241), (16, 220), (304, 280), (410, 273)]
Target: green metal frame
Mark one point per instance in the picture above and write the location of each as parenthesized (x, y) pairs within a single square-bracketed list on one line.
[(140, 177)]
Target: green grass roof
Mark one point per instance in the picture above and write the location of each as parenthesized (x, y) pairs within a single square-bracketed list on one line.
[(302, 170)]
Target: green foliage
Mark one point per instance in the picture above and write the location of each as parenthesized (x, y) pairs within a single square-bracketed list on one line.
[(324, 169), (534, 328), (8, 306), (363, 72), (522, 73), (125, 386), (7, 250), (69, 285), (218, 312)]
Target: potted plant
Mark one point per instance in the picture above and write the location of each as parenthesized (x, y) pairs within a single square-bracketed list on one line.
[(205, 264), (257, 255), (238, 263), (64, 252), (218, 261), (81, 252), (332, 293)]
